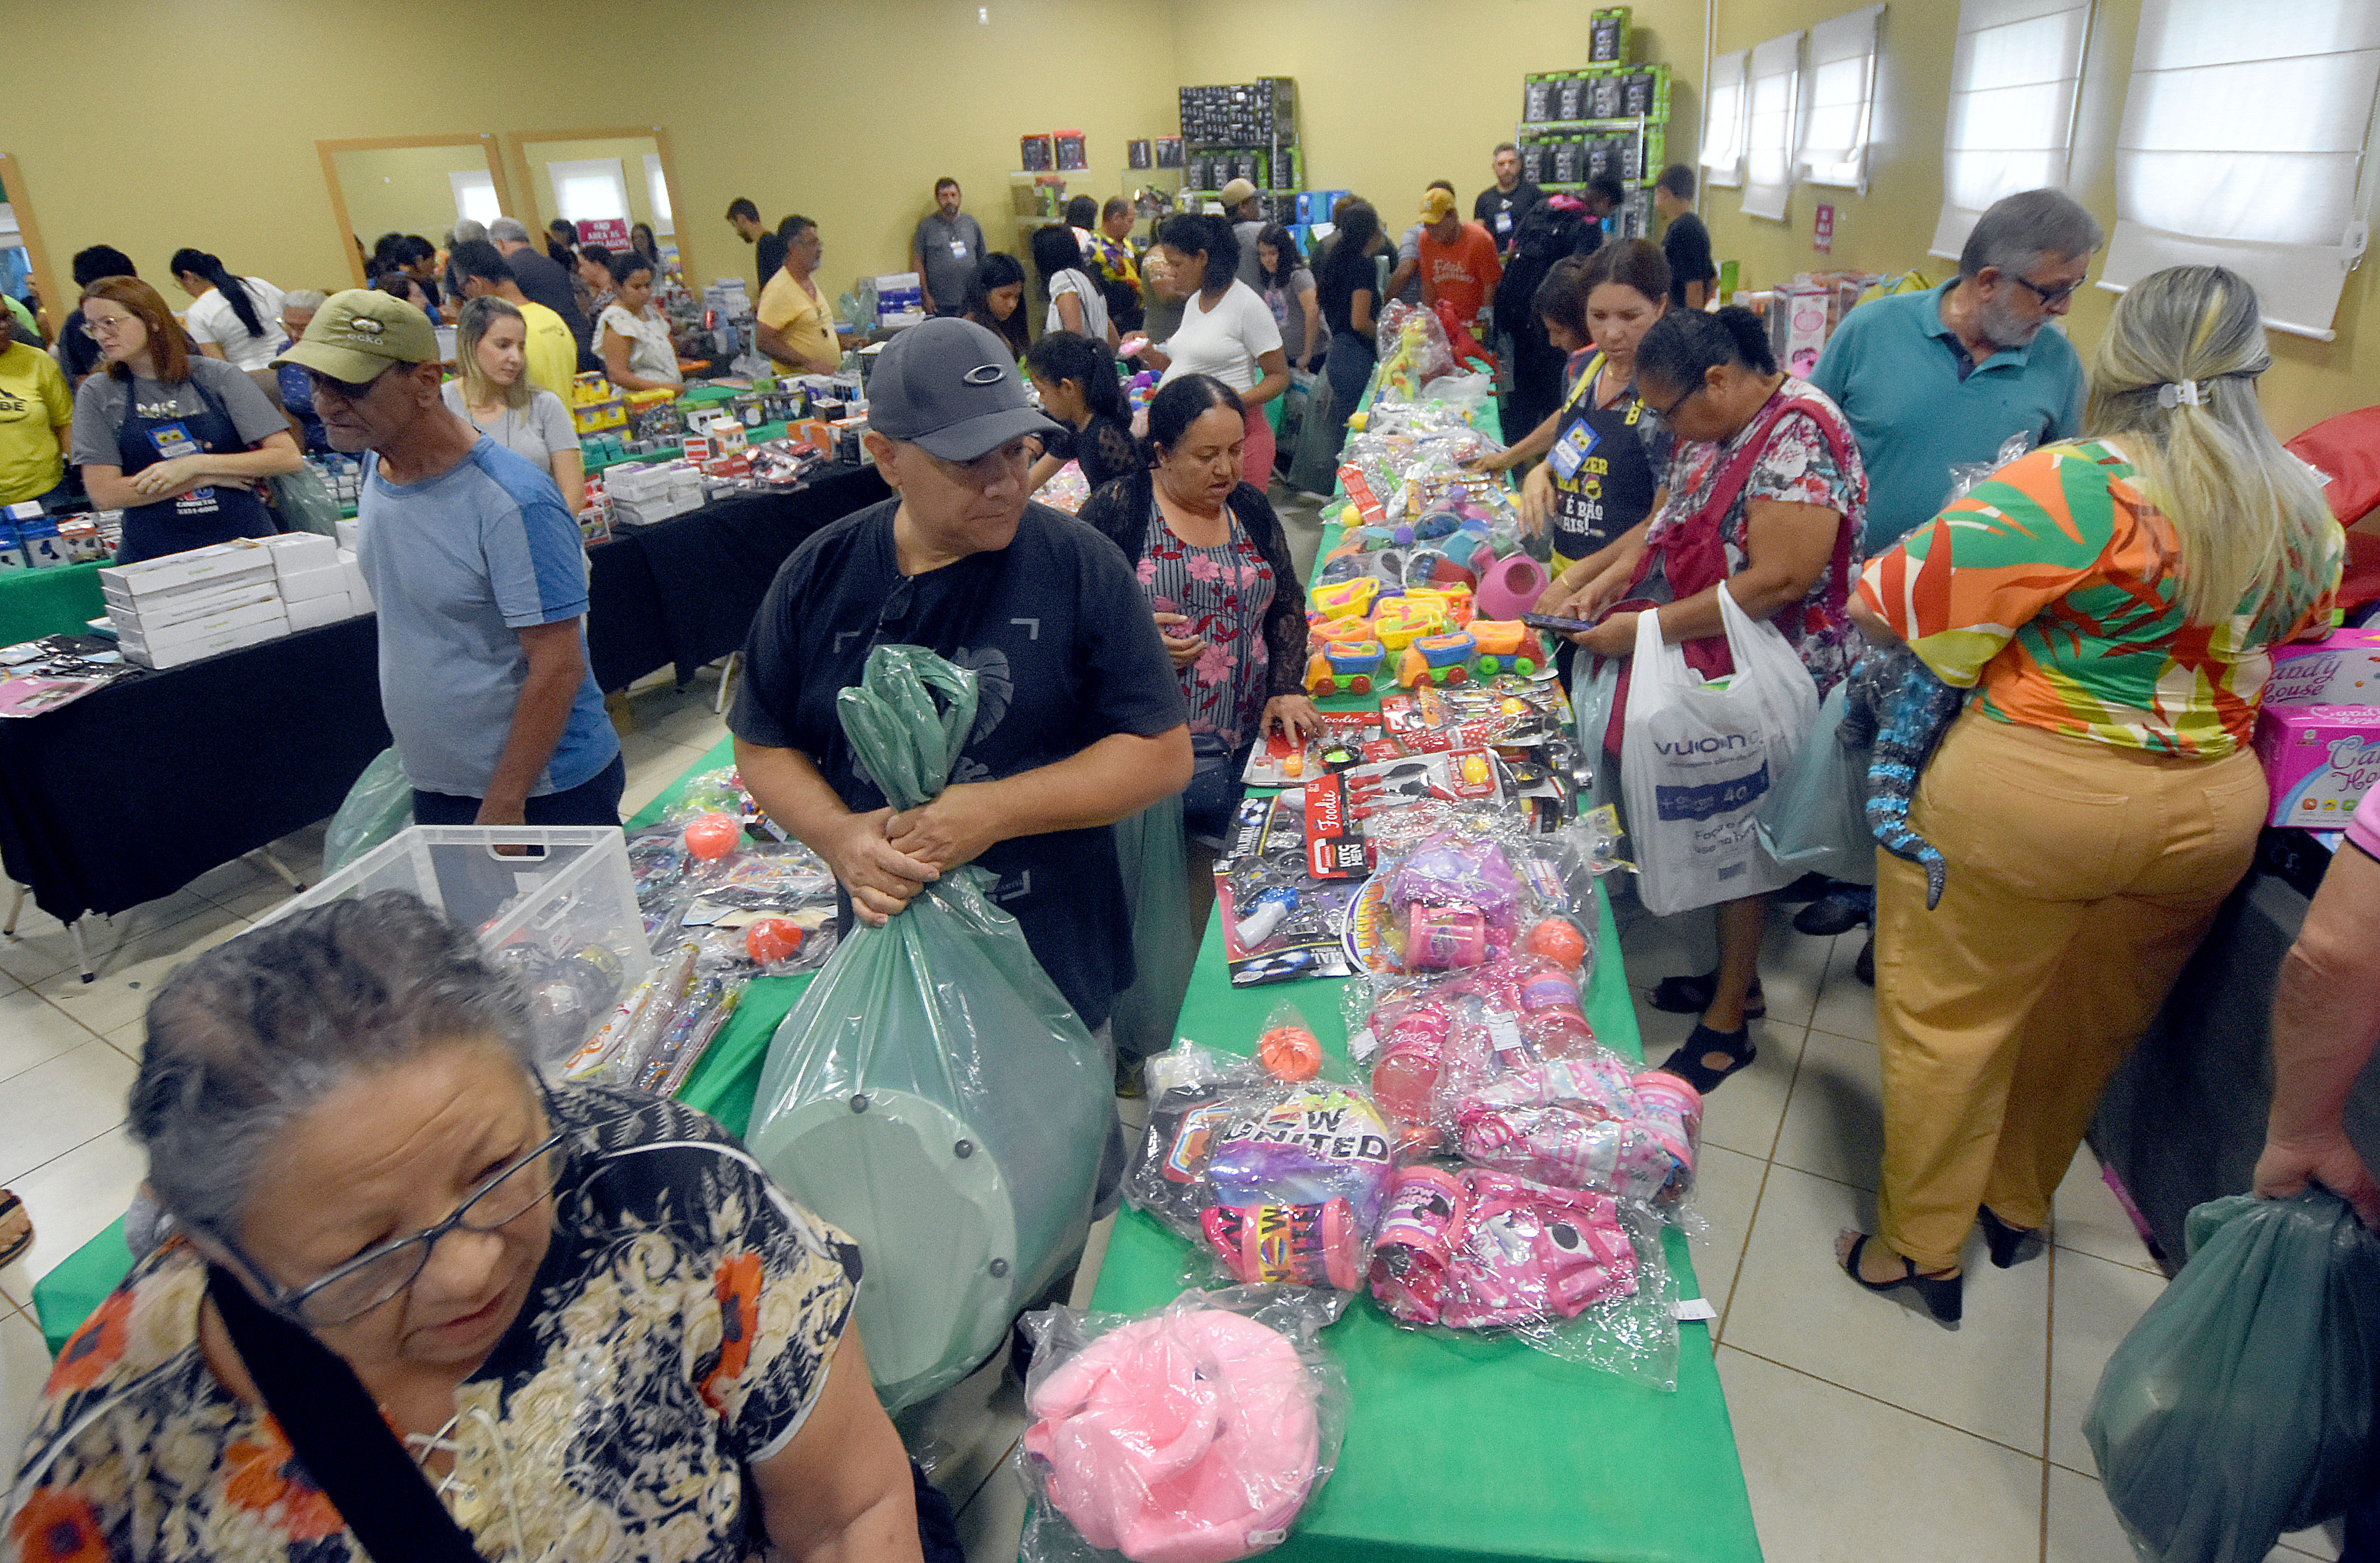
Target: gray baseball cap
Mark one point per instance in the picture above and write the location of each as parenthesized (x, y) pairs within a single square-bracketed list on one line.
[(951, 386)]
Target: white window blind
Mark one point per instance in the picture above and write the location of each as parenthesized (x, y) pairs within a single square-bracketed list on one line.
[(1842, 100), (657, 188), (2244, 145), (475, 195), (2013, 82), (1723, 123), (588, 189), (1774, 98)]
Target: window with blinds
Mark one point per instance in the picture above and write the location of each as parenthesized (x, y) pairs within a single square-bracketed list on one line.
[(1723, 121), (1842, 94), (2245, 142), (2015, 81), (1773, 96)]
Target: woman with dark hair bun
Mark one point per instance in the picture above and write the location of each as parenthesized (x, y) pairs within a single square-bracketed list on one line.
[(1076, 303), (1226, 331), (1075, 378), (1765, 495), (234, 318)]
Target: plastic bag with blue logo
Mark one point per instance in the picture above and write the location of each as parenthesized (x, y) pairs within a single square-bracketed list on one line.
[(1698, 758), (2240, 1406), (932, 1094)]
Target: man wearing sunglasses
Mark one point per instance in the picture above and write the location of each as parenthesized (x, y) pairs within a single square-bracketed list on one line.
[(1937, 380)]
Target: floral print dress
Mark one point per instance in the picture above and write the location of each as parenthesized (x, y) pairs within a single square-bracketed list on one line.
[(679, 1331), (1224, 592)]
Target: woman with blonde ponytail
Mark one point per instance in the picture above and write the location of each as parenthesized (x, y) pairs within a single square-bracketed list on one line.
[(2111, 602)]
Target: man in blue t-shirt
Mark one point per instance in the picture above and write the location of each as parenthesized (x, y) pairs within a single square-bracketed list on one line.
[(1081, 720), (480, 577), (1942, 379)]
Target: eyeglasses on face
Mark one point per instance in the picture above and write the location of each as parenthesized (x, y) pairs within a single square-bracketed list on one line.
[(2051, 297), (98, 326)]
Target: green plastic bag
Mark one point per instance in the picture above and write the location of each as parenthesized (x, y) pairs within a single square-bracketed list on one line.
[(1164, 946), (1814, 818), (2240, 1406), (932, 1094), (375, 809), (305, 503)]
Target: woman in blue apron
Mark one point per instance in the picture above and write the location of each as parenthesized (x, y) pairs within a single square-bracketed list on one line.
[(177, 441)]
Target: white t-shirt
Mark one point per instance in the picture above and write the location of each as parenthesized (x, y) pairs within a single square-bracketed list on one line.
[(211, 320), (1225, 340), (536, 431), (651, 354), (1087, 293)]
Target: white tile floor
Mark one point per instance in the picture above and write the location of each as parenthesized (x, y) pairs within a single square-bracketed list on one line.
[(1865, 1430)]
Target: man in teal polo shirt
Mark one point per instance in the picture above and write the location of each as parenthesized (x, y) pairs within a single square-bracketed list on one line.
[(1933, 381)]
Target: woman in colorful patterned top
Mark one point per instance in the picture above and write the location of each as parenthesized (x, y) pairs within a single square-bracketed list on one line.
[(1765, 493), (2111, 602), (597, 1328)]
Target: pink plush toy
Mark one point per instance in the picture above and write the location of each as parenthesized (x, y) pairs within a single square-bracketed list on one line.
[(1186, 1438)]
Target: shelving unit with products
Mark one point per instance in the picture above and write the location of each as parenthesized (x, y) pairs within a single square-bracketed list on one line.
[(1247, 130), (1610, 118)]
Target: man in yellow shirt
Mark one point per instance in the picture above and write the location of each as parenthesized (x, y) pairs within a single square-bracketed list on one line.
[(36, 411), (553, 352), (796, 329)]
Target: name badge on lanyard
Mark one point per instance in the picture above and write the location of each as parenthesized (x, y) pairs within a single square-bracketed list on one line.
[(1504, 221), (1570, 452), (958, 249), (172, 440)]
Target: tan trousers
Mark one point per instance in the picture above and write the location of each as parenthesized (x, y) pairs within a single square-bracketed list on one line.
[(2081, 877)]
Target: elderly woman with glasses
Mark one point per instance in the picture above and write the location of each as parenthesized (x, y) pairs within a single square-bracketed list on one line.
[(418, 1304)]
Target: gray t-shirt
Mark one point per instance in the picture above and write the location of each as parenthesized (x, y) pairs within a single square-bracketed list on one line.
[(99, 407), (951, 250), (536, 431), (1249, 271), (1409, 248), (458, 565), (1288, 302)]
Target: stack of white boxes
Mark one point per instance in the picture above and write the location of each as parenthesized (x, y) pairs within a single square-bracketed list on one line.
[(183, 607), (315, 581), (358, 595), (638, 495)]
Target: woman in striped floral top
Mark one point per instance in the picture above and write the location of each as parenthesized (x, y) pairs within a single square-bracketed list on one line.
[(2111, 602)]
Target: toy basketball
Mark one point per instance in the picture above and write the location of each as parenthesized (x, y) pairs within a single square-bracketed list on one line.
[(1558, 941), (1289, 1052), (772, 940), (709, 836)]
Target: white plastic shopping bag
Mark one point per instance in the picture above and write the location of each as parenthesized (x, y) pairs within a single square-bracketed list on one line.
[(1698, 758)]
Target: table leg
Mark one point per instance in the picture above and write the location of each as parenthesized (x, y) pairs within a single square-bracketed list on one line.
[(288, 876), (82, 958), (16, 910), (727, 666)]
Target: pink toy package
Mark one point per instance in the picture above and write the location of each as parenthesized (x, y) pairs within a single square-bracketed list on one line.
[(2319, 760), (2341, 669)]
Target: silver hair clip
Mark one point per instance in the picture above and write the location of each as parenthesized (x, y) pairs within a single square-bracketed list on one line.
[(2179, 393)]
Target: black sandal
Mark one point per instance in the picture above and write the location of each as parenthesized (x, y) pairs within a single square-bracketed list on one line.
[(13, 1249), (1687, 1063), (2009, 1246), (1943, 1295), (1692, 996)]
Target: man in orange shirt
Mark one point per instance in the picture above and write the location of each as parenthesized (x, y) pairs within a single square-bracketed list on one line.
[(1457, 261)]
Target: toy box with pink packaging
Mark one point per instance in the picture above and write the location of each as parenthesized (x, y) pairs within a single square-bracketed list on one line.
[(2318, 761), (2341, 669)]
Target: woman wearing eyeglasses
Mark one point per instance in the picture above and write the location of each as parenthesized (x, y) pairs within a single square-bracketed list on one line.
[(177, 441), (521, 1322), (1764, 494)]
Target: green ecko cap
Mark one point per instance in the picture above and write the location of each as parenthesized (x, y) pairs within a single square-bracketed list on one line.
[(357, 334)]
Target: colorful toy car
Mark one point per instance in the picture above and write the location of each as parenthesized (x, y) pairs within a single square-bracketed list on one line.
[(1346, 600), (1436, 658), (1346, 667), (1402, 620), (1505, 646), (1455, 602), (1339, 631)]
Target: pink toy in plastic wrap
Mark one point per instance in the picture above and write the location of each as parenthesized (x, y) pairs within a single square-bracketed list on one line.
[(1190, 1437), (1481, 1249), (1416, 1248), (1586, 1124), (1299, 1188)]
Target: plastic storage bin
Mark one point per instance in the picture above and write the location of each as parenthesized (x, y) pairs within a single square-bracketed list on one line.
[(543, 908)]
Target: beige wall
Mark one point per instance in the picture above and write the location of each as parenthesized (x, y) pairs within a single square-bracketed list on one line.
[(847, 110), (1889, 229), (402, 190)]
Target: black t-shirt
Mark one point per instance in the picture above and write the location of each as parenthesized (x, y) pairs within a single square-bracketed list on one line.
[(78, 351), (1336, 281), (771, 259), (542, 282), (1687, 249), (1105, 450), (1499, 212), (1065, 653)]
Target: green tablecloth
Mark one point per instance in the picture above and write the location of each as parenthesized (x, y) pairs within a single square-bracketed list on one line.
[(58, 600)]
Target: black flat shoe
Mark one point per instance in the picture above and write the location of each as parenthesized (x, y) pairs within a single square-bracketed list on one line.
[(1943, 1295), (1836, 912), (1809, 886), (1687, 1063), (2009, 1246), (1692, 996), (1864, 967)]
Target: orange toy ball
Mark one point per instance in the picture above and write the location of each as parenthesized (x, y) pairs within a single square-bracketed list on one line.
[(713, 835), (1558, 941), (1289, 1052), (772, 940)]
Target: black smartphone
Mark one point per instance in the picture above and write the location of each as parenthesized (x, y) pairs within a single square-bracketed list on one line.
[(1556, 622)]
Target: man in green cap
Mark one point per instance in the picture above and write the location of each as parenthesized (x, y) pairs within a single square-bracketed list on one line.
[(480, 577)]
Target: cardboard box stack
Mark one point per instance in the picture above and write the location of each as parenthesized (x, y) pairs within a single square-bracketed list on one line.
[(183, 607), (315, 584), (2319, 734)]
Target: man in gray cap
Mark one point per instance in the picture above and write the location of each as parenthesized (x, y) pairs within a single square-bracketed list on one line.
[(542, 281), (1082, 722)]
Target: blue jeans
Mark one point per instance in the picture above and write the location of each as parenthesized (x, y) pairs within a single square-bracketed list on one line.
[(594, 802)]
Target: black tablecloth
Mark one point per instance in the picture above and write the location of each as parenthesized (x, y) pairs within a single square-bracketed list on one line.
[(131, 792), (685, 591)]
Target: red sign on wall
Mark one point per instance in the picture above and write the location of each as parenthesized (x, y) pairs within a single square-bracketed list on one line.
[(611, 233), (1822, 233)]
